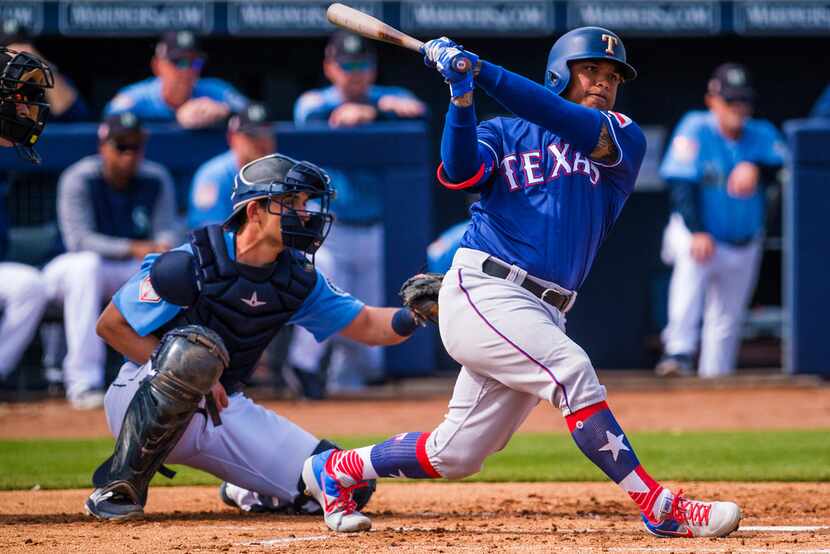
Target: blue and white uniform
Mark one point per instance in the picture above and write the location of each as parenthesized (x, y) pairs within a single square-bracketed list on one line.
[(254, 448), (545, 209), (318, 104), (145, 101), (353, 251), (697, 166), (23, 299)]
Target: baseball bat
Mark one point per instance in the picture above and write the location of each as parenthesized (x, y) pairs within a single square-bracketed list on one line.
[(375, 29)]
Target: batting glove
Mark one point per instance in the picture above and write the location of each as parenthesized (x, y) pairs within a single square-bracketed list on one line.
[(448, 57)]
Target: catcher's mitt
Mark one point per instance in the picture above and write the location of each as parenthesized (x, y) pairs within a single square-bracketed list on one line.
[(419, 293)]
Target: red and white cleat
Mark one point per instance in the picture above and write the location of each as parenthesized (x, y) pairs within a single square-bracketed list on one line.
[(682, 517)]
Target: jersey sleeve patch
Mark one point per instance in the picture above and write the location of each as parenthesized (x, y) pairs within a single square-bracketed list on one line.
[(684, 149), (206, 195), (146, 292), (623, 120)]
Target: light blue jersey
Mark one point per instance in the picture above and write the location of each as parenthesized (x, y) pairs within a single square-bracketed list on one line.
[(700, 154), (326, 311), (145, 101), (317, 104), (210, 193)]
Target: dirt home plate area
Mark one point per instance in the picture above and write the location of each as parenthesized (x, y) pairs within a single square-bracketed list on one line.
[(441, 516)]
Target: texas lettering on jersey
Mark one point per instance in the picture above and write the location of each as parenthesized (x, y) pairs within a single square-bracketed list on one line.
[(548, 207)]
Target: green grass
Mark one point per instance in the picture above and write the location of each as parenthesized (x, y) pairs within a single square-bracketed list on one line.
[(698, 456)]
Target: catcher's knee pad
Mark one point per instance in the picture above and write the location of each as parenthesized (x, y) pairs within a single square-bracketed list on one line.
[(304, 504), (189, 361)]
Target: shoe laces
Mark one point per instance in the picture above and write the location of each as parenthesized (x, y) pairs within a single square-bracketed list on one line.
[(345, 500), (690, 511)]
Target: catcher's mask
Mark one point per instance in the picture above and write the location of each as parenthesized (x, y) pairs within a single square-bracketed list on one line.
[(275, 177), (24, 79)]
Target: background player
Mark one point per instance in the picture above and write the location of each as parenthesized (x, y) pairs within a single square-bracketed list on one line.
[(24, 79), (222, 297), (716, 165), (553, 180)]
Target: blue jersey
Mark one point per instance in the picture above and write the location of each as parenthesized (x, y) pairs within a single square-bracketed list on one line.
[(317, 104), (326, 311), (145, 101), (699, 153), (548, 207), (210, 193)]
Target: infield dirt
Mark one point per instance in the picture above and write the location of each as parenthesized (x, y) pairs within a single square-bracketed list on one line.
[(439, 517)]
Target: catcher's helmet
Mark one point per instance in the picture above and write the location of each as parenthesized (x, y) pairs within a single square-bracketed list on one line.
[(275, 175), (584, 43), (24, 79)]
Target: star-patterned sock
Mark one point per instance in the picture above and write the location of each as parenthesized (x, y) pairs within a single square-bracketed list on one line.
[(599, 436), (403, 455)]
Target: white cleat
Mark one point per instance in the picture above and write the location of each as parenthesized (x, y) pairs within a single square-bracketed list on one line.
[(682, 517), (333, 491)]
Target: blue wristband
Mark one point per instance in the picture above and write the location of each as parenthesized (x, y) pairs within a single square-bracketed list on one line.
[(403, 322)]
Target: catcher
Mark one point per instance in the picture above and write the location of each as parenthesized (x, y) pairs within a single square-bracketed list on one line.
[(193, 322)]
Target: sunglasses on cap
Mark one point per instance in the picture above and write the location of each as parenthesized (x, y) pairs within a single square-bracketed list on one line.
[(358, 65), (186, 62), (124, 147)]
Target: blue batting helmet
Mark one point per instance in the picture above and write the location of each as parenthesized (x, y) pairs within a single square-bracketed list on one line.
[(584, 43)]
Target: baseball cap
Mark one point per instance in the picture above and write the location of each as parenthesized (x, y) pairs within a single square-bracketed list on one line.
[(178, 44), (252, 120), (347, 48), (120, 127), (732, 82)]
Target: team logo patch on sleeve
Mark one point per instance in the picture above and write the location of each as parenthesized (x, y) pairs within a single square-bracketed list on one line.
[(622, 119), (684, 149), (146, 292)]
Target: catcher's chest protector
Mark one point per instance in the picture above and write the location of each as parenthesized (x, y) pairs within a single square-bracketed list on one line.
[(245, 305)]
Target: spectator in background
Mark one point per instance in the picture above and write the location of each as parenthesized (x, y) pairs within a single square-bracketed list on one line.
[(177, 93), (353, 253), (114, 208), (65, 104), (250, 137), (716, 166), (353, 98)]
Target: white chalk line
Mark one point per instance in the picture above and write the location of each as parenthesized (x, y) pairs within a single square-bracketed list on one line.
[(730, 549), (281, 541), (783, 528)]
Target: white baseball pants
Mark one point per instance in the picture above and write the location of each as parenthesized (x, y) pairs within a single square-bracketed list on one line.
[(23, 298), (514, 352), (82, 281), (718, 290), (254, 448), (352, 257)]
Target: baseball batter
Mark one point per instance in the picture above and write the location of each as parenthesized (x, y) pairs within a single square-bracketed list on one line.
[(215, 303), (553, 179)]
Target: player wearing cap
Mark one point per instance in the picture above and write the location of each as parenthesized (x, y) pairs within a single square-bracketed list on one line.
[(176, 92), (250, 136), (716, 166), (354, 251), (353, 98), (215, 302), (114, 208)]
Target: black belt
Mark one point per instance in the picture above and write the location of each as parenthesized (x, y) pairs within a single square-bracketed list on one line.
[(557, 300)]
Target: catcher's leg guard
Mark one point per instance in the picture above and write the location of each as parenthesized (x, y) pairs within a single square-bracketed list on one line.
[(189, 361)]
